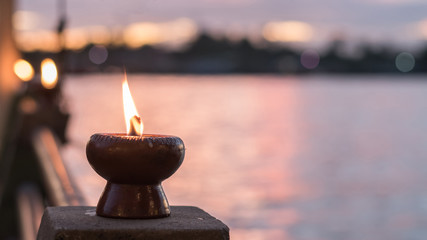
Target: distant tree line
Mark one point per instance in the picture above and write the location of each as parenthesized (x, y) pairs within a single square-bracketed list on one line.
[(211, 55)]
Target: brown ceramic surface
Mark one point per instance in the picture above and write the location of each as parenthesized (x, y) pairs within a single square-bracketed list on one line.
[(133, 201), (124, 159)]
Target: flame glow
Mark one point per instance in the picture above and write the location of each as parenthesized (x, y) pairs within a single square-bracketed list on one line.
[(23, 70), (49, 73), (134, 125)]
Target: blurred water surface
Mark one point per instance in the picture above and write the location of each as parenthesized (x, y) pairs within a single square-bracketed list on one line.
[(276, 157)]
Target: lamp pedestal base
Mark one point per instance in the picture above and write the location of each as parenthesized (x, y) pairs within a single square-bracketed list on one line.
[(133, 201)]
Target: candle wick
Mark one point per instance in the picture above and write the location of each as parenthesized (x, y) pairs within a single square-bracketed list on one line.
[(135, 123)]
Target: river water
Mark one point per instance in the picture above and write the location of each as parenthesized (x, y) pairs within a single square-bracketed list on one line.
[(276, 157)]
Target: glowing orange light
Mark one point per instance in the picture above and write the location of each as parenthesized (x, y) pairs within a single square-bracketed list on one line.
[(134, 125), (23, 70), (139, 34), (49, 73), (288, 31)]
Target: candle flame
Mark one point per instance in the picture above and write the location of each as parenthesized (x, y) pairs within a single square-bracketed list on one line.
[(134, 125), (49, 73), (23, 70)]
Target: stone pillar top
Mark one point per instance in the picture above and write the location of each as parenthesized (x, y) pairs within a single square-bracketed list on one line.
[(185, 222)]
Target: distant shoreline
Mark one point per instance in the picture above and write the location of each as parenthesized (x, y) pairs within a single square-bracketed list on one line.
[(207, 55)]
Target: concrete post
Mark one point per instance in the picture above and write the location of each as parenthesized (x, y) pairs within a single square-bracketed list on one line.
[(82, 223)]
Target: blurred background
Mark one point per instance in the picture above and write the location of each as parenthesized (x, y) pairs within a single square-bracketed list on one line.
[(302, 120), (239, 36)]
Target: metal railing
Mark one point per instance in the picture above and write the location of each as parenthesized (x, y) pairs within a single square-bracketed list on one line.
[(30, 210), (61, 189)]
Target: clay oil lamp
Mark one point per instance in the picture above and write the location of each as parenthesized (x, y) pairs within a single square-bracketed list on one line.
[(134, 165)]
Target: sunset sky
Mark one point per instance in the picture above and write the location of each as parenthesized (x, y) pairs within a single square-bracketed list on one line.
[(397, 22)]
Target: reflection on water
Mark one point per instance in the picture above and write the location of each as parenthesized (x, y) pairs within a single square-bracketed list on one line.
[(276, 157)]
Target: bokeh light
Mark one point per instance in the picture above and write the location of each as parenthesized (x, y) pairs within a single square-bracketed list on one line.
[(49, 73), (310, 59), (98, 54), (422, 28), (98, 34), (75, 38), (405, 62), (138, 34), (23, 70), (178, 32), (28, 105), (172, 33), (25, 20), (288, 31), (43, 40)]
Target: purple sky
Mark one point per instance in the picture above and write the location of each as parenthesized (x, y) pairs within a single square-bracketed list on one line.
[(396, 21)]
